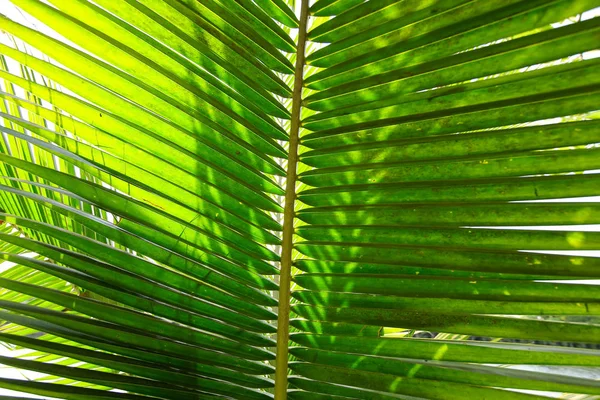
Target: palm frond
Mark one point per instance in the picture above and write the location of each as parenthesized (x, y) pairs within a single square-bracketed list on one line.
[(411, 182)]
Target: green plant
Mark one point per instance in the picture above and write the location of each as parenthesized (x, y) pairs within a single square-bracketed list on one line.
[(176, 176)]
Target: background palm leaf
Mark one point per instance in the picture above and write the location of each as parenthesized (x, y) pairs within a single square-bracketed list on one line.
[(148, 177)]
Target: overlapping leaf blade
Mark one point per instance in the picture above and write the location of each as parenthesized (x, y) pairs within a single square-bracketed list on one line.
[(425, 163), (139, 165)]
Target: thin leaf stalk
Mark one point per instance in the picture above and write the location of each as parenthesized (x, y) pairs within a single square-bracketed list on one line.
[(283, 319)]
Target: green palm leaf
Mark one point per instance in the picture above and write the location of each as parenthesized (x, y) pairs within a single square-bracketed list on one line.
[(346, 199)]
